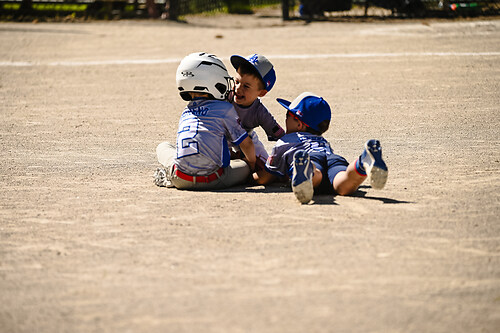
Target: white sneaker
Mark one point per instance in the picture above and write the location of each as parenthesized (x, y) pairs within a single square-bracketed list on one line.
[(161, 178)]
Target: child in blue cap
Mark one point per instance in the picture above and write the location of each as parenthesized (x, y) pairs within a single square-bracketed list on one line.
[(305, 156), (255, 77)]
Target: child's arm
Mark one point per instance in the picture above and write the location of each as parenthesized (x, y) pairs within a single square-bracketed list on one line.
[(272, 128), (248, 149), (262, 177)]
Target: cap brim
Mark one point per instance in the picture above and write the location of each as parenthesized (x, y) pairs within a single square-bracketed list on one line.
[(237, 61), (284, 103)]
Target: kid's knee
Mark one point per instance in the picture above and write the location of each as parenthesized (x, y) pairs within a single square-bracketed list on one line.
[(317, 177), (345, 190)]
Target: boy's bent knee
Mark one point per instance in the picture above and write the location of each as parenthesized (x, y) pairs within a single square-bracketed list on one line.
[(345, 190)]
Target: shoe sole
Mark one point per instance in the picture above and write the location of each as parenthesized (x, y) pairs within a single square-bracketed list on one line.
[(304, 191), (377, 176)]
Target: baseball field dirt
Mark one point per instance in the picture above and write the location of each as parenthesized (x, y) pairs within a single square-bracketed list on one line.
[(89, 244)]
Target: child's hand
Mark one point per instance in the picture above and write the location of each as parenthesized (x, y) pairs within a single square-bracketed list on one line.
[(259, 165)]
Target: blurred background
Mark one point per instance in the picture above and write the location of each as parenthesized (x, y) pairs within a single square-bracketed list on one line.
[(64, 10)]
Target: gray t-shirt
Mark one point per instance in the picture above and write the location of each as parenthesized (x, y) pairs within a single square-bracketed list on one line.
[(205, 127), (257, 115)]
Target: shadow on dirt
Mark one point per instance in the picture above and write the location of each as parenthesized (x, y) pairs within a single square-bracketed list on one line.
[(318, 199), (273, 188), (363, 194)]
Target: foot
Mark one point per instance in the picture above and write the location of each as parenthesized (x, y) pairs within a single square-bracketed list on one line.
[(302, 176), (161, 178), (374, 165)]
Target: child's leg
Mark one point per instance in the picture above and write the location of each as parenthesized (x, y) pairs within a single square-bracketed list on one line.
[(236, 173), (303, 176), (347, 182), (165, 153), (370, 163), (317, 176)]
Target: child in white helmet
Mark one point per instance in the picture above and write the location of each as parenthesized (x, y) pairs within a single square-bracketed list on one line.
[(201, 159)]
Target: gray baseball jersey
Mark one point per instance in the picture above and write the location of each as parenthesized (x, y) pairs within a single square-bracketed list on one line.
[(258, 115), (205, 127), (281, 159)]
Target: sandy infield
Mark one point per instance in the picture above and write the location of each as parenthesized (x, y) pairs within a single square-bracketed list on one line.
[(89, 244)]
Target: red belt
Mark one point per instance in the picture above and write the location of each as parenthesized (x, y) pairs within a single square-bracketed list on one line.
[(199, 179)]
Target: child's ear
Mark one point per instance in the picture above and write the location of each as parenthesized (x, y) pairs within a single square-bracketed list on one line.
[(262, 93), (302, 126)]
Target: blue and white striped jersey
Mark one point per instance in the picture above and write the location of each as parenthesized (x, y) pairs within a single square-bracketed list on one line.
[(281, 158), (205, 127)]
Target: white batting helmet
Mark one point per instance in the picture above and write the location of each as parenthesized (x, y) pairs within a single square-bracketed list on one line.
[(204, 73)]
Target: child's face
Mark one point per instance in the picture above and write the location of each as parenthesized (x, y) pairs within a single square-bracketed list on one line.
[(247, 89), (293, 124)]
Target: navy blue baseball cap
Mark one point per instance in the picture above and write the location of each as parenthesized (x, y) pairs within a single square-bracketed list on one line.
[(309, 108), (263, 68)]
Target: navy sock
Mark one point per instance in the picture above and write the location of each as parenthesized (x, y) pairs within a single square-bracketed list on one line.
[(359, 167)]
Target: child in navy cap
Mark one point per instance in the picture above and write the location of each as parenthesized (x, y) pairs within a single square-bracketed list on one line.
[(305, 156), (255, 77)]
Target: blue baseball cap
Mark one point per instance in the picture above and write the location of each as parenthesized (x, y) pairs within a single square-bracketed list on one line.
[(309, 108), (263, 67)]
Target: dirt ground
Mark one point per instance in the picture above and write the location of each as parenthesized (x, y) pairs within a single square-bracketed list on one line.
[(89, 244)]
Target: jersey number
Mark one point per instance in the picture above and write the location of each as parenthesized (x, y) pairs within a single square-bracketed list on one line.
[(186, 145)]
